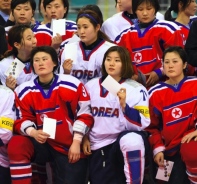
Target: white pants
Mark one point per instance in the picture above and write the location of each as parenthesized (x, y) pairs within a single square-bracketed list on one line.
[(132, 147)]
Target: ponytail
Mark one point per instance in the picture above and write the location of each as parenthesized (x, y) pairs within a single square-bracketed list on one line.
[(168, 15), (103, 36)]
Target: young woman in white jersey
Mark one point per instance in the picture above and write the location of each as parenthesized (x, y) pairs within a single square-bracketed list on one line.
[(88, 51), (116, 142), (7, 117), (22, 41)]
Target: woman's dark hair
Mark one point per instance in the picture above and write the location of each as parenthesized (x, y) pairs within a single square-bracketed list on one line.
[(65, 2), (127, 68), (136, 3), (174, 6), (15, 34), (39, 3), (94, 20), (15, 3), (96, 9), (179, 50), (47, 49)]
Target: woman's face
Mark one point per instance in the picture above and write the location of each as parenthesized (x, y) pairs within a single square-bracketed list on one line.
[(145, 13), (28, 42), (125, 5), (86, 31), (174, 66), (43, 64), (190, 10), (55, 10), (23, 13), (113, 65)]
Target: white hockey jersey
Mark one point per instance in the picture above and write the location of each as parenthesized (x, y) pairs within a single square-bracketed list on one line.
[(109, 119), (85, 67), (26, 75), (7, 117)]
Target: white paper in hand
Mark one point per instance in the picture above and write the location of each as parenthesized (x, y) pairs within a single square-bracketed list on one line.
[(111, 85), (163, 173), (49, 127), (15, 68), (70, 52), (58, 26)]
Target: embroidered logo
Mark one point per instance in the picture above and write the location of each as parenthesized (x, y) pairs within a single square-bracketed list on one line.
[(138, 57), (176, 113)]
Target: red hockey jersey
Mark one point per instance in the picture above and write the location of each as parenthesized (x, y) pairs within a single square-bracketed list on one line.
[(66, 101), (44, 34), (146, 46), (173, 113)]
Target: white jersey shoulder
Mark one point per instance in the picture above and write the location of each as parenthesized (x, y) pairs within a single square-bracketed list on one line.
[(133, 83)]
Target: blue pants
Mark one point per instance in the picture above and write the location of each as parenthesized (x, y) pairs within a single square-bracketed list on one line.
[(63, 171), (5, 177), (106, 165)]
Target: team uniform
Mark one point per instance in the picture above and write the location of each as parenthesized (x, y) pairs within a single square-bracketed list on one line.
[(7, 117), (114, 25), (173, 112), (26, 75), (146, 45), (191, 45), (44, 33), (109, 122), (185, 31), (66, 101), (88, 61)]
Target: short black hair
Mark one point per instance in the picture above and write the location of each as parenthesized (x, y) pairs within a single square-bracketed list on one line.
[(136, 3), (15, 3), (47, 49), (179, 50), (65, 2)]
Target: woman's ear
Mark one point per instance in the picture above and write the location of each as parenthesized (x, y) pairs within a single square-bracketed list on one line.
[(185, 65), (98, 27), (33, 12), (17, 45), (180, 5), (65, 10)]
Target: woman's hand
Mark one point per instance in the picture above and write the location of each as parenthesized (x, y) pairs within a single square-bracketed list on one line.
[(56, 41), (67, 66), (187, 138), (153, 78), (10, 82), (159, 159), (122, 98), (74, 151), (39, 136), (86, 145)]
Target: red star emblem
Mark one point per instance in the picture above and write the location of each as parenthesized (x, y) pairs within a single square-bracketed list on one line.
[(176, 112)]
